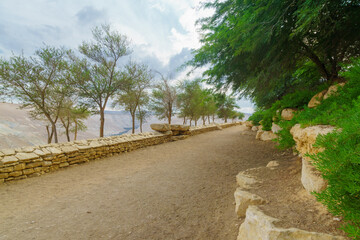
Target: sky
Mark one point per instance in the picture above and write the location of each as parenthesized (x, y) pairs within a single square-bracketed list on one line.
[(162, 32)]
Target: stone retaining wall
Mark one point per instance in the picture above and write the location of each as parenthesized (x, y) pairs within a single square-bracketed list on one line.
[(26, 162)]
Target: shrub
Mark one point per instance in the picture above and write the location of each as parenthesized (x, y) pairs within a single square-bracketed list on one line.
[(256, 117), (339, 164)]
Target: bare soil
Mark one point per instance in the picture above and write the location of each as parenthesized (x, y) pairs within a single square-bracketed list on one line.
[(177, 190)]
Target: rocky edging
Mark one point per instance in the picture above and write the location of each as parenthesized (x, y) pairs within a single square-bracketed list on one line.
[(259, 226), (20, 163)]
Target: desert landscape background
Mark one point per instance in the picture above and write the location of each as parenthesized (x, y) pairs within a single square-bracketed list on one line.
[(17, 129)]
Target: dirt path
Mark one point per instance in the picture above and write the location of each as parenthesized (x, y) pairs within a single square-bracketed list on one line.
[(177, 190)]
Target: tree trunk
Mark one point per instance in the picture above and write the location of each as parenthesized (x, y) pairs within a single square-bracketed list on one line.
[(102, 121), (208, 119), (76, 129), (190, 122), (213, 117), (133, 121), (48, 133), (184, 122), (195, 122), (225, 120), (204, 120), (55, 132), (141, 125)]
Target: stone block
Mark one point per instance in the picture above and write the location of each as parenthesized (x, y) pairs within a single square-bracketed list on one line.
[(26, 156), (6, 169), (15, 174), (64, 164), (9, 160), (8, 151), (288, 114), (316, 99), (259, 226), (245, 181), (4, 175), (19, 167), (244, 199), (28, 171)]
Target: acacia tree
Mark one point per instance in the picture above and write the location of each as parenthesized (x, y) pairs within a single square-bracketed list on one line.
[(71, 117), (226, 105), (256, 46), (163, 99), (40, 83), (132, 94), (98, 77)]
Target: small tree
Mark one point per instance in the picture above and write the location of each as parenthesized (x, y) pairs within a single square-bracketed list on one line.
[(40, 83), (133, 94), (97, 77), (226, 106), (163, 100)]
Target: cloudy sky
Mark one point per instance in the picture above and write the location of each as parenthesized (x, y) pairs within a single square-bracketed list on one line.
[(163, 32)]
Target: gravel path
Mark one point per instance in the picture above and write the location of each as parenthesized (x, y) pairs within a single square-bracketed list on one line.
[(177, 190)]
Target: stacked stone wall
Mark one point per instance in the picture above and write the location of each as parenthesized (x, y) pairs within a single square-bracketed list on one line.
[(34, 161)]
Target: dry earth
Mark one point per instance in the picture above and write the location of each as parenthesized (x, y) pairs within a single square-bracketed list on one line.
[(177, 190)]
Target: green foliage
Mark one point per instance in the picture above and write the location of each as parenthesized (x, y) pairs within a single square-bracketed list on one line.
[(226, 105), (267, 49), (339, 164), (257, 116)]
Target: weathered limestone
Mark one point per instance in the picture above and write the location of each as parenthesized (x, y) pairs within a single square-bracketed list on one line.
[(244, 199), (259, 226), (288, 114), (272, 164), (254, 128), (245, 181), (310, 177), (275, 128), (178, 127), (265, 135), (305, 138), (332, 90), (33, 161), (316, 99), (164, 127)]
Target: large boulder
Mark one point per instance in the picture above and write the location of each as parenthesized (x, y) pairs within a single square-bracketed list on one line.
[(310, 177), (163, 127), (288, 114), (332, 90), (244, 199), (316, 99), (267, 136), (259, 226), (305, 138)]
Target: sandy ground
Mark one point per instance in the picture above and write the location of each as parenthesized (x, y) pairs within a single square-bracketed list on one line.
[(177, 190)]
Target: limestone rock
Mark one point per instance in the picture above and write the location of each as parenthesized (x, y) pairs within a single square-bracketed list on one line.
[(26, 156), (245, 181), (8, 151), (272, 164), (164, 127), (54, 150), (259, 226), (267, 136), (254, 128), (332, 90), (311, 178), (177, 127), (306, 137), (288, 114), (275, 128), (316, 99), (244, 199), (9, 159), (69, 149), (259, 133)]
